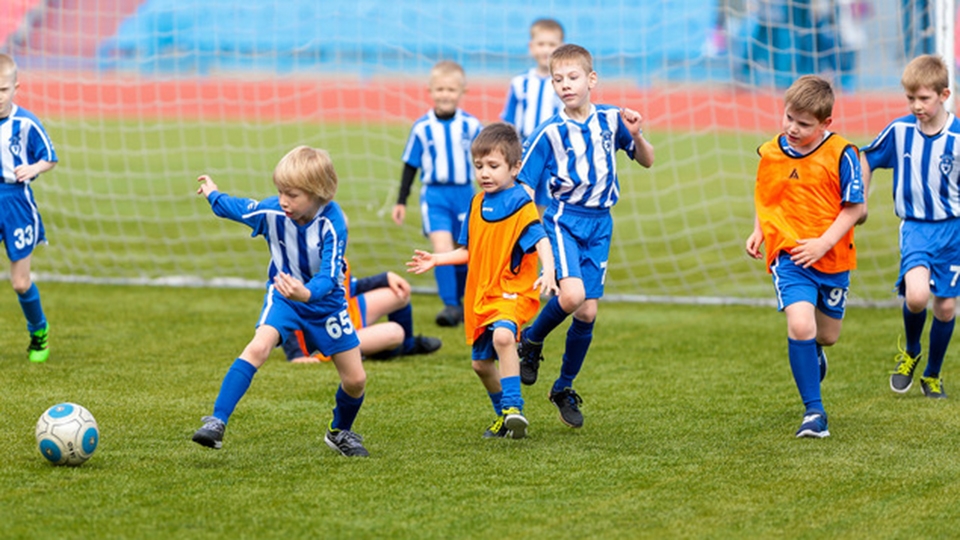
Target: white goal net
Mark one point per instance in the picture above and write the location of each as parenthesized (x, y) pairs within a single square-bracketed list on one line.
[(142, 96)]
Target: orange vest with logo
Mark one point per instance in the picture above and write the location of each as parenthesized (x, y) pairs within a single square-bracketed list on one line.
[(799, 197), (496, 290)]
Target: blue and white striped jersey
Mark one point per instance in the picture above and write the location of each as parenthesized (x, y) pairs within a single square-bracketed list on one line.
[(925, 168), (530, 102), (23, 141), (577, 162), (312, 253), (441, 148)]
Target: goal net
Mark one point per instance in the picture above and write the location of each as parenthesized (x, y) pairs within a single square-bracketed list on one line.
[(141, 97)]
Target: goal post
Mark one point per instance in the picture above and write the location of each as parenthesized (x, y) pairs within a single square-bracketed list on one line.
[(142, 96)]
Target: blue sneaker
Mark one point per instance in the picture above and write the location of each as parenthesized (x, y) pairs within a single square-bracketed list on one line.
[(814, 425)]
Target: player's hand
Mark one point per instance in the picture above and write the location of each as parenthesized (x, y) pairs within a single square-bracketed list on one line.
[(808, 251), (291, 287), (206, 186), (25, 173), (399, 213), (422, 262), (547, 283), (632, 119), (398, 285), (754, 244)]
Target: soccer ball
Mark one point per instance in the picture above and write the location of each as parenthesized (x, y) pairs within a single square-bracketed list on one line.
[(67, 434)]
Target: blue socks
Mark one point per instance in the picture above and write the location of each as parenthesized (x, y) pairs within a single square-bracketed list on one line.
[(346, 410), (495, 399), (579, 337), (404, 317), (550, 317), (234, 386), (940, 334), (32, 310), (913, 328), (511, 393), (806, 372)]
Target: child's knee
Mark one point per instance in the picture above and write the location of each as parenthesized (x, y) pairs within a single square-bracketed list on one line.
[(504, 338), (354, 383)]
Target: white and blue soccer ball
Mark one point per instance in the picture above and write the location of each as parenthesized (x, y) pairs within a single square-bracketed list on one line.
[(67, 434)]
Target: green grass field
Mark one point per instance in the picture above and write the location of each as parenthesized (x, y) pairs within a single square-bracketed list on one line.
[(690, 415), (122, 206)]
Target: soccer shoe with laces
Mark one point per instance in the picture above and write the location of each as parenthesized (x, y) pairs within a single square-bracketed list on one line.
[(346, 442), (933, 387), (814, 426), (211, 434), (531, 354), (515, 423), (901, 378), (38, 350), (496, 430), (568, 403)]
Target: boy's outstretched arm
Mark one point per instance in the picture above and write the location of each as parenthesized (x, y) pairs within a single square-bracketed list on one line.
[(423, 261), (809, 250), (547, 282), (643, 150)]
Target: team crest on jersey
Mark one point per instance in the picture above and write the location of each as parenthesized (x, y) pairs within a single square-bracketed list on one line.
[(15, 144), (794, 175), (946, 164), (606, 139)]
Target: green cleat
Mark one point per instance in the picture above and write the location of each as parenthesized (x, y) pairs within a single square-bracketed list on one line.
[(38, 350)]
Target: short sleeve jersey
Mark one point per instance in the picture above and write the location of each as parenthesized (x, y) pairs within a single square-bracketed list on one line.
[(23, 141), (926, 168), (531, 101), (441, 148), (575, 162)]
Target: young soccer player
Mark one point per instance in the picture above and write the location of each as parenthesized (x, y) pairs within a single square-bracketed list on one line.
[(500, 244), (369, 299), (439, 146), (808, 197), (923, 149), (572, 156), (531, 99), (307, 235), (25, 152)]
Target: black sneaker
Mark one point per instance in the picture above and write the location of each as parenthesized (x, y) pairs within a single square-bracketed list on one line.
[(425, 345), (211, 434), (450, 316), (901, 378), (346, 442), (531, 354), (568, 402), (933, 387), (496, 430)]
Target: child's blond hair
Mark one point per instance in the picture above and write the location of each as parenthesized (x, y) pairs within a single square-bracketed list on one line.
[(498, 136), (572, 53), (307, 169), (448, 67), (8, 66), (810, 94), (926, 71), (546, 25)]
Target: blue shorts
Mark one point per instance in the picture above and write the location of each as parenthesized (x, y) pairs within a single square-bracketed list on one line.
[(21, 228), (444, 208), (329, 333), (828, 292), (483, 345), (935, 245), (580, 238)]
